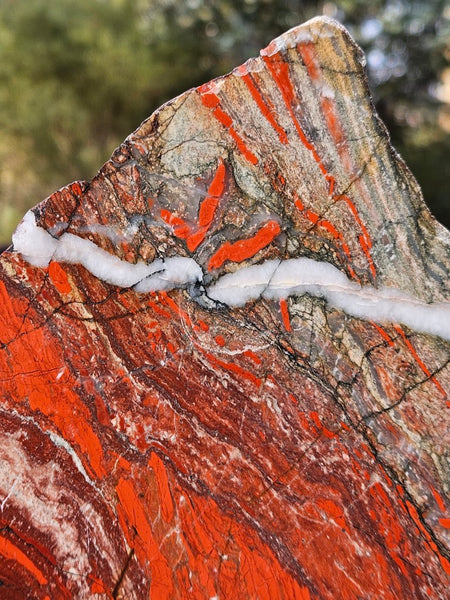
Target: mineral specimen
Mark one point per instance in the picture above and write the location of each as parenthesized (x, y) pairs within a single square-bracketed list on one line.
[(225, 360)]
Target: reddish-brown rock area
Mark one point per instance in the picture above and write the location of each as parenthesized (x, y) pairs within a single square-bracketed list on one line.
[(162, 445)]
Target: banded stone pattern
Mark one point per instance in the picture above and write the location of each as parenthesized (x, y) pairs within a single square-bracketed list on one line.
[(159, 446)]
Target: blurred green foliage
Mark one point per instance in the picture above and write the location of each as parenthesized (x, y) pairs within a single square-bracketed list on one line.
[(77, 76)]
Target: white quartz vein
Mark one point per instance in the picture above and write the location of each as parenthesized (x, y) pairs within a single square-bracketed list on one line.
[(273, 279)]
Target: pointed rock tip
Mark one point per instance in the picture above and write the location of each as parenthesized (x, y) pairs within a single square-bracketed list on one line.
[(308, 32)]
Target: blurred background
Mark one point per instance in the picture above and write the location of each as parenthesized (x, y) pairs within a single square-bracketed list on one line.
[(77, 76)]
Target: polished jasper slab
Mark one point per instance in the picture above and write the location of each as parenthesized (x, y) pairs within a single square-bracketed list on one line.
[(158, 440)]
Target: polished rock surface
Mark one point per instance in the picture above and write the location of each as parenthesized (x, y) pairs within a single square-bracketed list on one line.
[(164, 445)]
